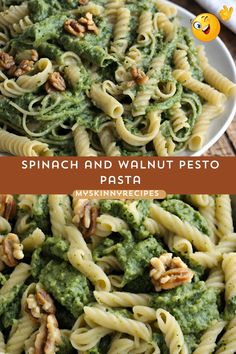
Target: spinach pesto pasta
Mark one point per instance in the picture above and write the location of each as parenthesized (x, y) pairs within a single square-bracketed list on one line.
[(103, 77), (117, 277)]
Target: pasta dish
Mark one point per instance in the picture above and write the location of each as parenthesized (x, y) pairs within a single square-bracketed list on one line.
[(103, 77), (117, 277)]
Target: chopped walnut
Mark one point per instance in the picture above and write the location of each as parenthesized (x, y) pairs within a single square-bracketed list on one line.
[(80, 26), (75, 28), (11, 250), (139, 76), (40, 303), (41, 338), (85, 217), (6, 61), (45, 300), (7, 206), (34, 55), (168, 273), (24, 67), (53, 335), (55, 82), (33, 306), (83, 2)]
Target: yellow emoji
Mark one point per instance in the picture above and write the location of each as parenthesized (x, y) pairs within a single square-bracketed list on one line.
[(226, 13), (206, 27)]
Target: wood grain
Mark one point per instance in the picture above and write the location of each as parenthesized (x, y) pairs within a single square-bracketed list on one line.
[(226, 145)]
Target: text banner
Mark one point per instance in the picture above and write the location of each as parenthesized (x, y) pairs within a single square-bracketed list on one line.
[(64, 175)]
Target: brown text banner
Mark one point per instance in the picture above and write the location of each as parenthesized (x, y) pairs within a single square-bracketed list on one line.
[(64, 175)]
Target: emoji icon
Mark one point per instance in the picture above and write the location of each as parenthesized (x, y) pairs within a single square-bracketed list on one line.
[(226, 13), (206, 27)]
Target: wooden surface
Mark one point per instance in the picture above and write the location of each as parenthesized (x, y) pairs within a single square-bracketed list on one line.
[(227, 143)]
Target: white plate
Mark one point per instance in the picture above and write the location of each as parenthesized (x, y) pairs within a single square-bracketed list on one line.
[(221, 59)]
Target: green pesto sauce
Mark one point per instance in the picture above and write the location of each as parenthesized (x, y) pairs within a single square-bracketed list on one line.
[(134, 257), (67, 285), (121, 210), (186, 213), (230, 309), (38, 262), (56, 246), (193, 305), (6, 300)]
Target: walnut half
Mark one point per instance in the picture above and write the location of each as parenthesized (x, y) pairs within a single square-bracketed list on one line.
[(55, 83), (139, 76), (6, 61), (40, 303), (85, 217), (49, 336), (11, 250), (168, 272), (7, 206)]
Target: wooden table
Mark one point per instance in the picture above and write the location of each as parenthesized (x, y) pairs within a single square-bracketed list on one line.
[(227, 144)]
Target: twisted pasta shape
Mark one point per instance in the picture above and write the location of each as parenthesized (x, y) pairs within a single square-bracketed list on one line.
[(121, 345), (108, 104), (171, 330), (5, 227), (140, 140), (144, 314), (181, 59), (121, 299), (206, 259), (76, 239), (224, 221), (216, 279), (198, 200), (160, 145), (179, 227), (208, 212), (227, 244), (169, 10), (106, 224), (145, 28), (203, 90), (36, 239), (181, 245), (228, 340), (208, 340), (178, 118), (108, 142), (111, 9), (109, 263), (118, 323), (200, 129), (82, 142), (214, 77), (229, 269), (84, 338), (161, 22), (60, 213), (22, 146), (2, 344), (20, 27), (13, 15), (22, 331), (121, 32), (17, 277), (87, 267)]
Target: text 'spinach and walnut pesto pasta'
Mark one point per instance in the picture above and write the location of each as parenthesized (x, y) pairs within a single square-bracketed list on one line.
[(117, 277), (103, 77)]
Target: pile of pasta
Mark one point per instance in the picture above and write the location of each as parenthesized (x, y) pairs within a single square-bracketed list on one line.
[(83, 266), (136, 86)]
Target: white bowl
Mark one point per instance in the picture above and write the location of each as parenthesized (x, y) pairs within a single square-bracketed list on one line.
[(220, 58)]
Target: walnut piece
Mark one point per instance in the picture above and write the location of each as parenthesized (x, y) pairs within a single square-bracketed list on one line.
[(53, 335), (45, 300), (139, 76), (74, 27), (55, 82), (24, 67), (6, 61), (85, 217), (83, 2), (40, 303), (11, 250), (34, 55), (168, 272), (48, 337), (7, 206), (82, 25)]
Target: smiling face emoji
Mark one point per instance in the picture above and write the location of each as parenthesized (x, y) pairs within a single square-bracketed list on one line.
[(206, 27)]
